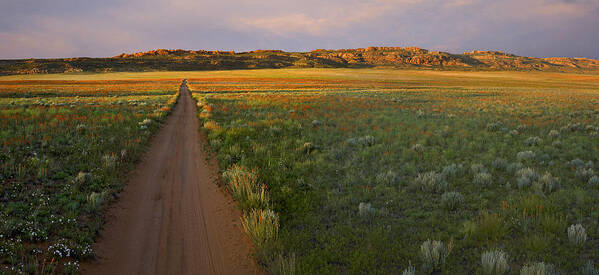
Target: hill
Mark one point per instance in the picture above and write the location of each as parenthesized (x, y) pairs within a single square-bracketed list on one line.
[(408, 57)]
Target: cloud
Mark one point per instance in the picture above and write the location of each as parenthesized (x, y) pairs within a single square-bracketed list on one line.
[(50, 37), (336, 17), (31, 28)]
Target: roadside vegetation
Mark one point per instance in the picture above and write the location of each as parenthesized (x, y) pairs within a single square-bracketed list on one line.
[(386, 172), (66, 146)]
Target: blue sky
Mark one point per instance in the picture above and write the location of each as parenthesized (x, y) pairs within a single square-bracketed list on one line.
[(71, 28)]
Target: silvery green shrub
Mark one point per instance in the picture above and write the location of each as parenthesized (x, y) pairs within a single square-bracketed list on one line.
[(483, 179), (522, 127), (499, 164), (476, 168), (525, 177), (589, 269), (367, 140), (577, 234), (525, 155), (556, 144), (109, 160), (584, 173), (539, 268), (145, 123), (366, 210), (364, 141), (594, 180), (452, 200), (434, 255), (548, 183), (576, 163), (316, 123), (419, 148), (495, 262), (553, 133), (543, 158), (432, 182), (532, 141), (494, 126), (590, 164), (410, 270), (388, 178), (81, 127), (572, 127), (451, 170), (515, 166), (82, 177)]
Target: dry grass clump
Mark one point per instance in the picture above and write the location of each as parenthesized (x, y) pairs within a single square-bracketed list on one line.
[(245, 187), (261, 225)]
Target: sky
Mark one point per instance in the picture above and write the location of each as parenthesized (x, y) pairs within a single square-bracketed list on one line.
[(78, 28)]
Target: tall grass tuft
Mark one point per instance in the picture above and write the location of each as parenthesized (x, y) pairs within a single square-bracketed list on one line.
[(434, 254), (95, 200), (539, 268), (495, 262), (451, 170), (478, 168), (525, 177), (547, 183), (452, 200), (585, 174), (499, 164), (366, 210), (483, 178), (525, 155), (261, 225), (245, 187), (410, 270), (283, 265), (589, 269), (577, 235), (431, 182)]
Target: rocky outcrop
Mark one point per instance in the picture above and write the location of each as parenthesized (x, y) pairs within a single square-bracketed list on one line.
[(396, 57)]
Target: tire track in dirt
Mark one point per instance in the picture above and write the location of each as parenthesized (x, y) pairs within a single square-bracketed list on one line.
[(171, 217)]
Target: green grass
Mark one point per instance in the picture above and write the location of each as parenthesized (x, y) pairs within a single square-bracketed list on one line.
[(339, 152), (62, 159), (342, 164)]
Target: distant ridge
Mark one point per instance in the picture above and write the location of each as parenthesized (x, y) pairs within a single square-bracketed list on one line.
[(394, 57)]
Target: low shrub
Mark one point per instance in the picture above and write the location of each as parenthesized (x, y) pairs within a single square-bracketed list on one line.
[(577, 234), (431, 182), (452, 200), (483, 179), (434, 254), (495, 262)]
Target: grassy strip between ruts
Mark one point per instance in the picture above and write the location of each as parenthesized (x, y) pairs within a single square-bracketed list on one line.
[(259, 221)]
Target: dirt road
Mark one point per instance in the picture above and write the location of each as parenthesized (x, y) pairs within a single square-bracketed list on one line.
[(171, 217)]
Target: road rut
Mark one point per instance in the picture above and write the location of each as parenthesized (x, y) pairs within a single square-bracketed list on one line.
[(171, 217)]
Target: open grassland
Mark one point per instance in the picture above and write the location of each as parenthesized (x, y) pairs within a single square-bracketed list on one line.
[(66, 145), (384, 172)]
